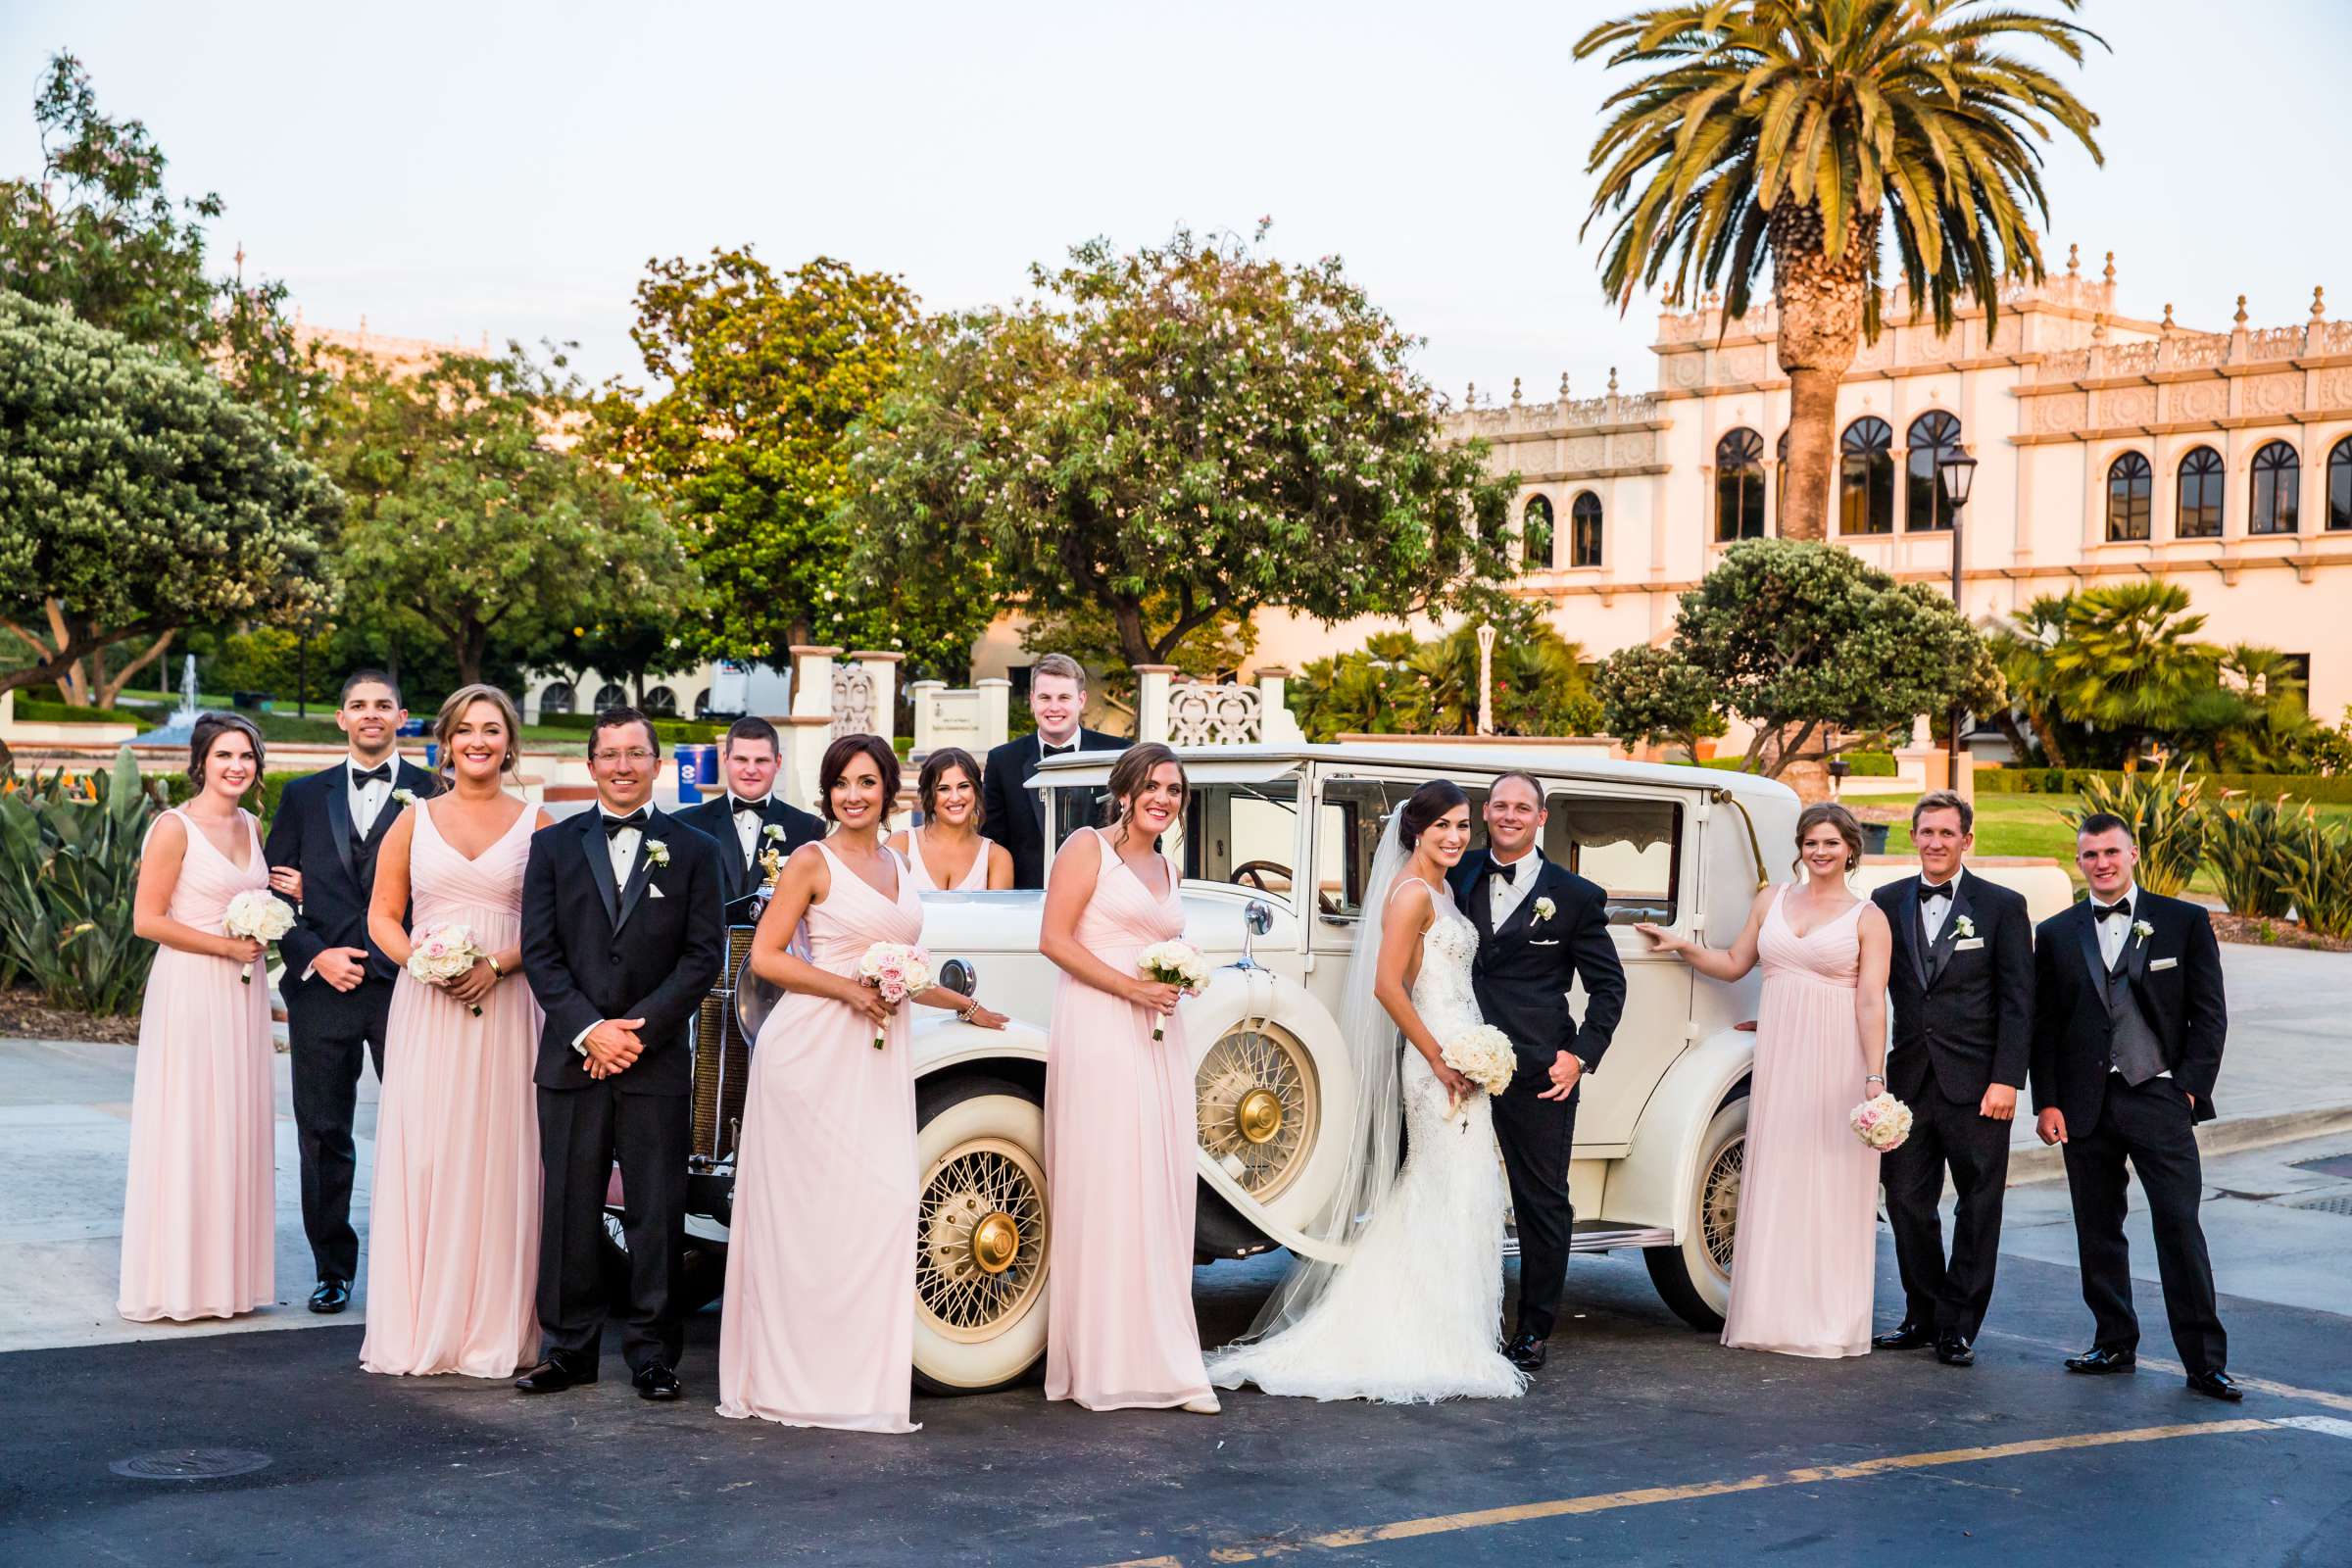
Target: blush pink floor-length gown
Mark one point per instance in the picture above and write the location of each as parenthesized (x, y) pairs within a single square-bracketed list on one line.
[(1803, 1256), (818, 1324), (200, 1206), (1122, 1127), (453, 1224)]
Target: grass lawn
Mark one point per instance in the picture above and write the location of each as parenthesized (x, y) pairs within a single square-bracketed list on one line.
[(2033, 824)]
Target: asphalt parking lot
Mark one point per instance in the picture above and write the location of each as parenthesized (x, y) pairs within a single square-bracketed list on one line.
[(1641, 1440)]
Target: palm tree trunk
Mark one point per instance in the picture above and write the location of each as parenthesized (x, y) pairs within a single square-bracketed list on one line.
[(1820, 301)]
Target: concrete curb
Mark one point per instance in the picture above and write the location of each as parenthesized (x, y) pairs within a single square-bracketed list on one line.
[(2045, 1163)]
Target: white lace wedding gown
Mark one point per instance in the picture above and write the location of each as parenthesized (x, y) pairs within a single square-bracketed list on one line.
[(1416, 1314)]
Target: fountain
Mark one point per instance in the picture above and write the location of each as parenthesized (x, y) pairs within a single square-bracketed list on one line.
[(180, 727)]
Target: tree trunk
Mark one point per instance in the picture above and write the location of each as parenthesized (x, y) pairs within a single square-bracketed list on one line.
[(1820, 301), (111, 686), (471, 641)]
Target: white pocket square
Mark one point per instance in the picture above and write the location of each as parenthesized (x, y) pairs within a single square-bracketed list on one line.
[(653, 892), (1968, 944), (1553, 943), (2162, 963)]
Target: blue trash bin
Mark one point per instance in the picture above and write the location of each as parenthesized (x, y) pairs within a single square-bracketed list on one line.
[(433, 755), (698, 772)]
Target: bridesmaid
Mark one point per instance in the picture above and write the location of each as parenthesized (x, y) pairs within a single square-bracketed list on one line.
[(1807, 1246), (818, 1324), (199, 1210), (453, 1226), (947, 854), (1120, 1123)]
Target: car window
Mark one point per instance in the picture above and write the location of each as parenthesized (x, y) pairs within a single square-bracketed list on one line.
[(1244, 834), (1632, 848), (1350, 819)]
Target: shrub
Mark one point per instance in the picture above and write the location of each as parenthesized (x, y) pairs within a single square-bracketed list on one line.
[(68, 869), (2243, 840), (2315, 872), (32, 711), (2166, 820)]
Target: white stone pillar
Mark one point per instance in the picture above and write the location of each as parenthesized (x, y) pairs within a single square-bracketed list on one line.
[(812, 680), (1275, 725), (809, 728), (882, 668), (1152, 701), (919, 693), (995, 712)]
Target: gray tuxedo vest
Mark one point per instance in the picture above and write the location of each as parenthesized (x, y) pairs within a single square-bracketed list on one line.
[(2131, 1045)]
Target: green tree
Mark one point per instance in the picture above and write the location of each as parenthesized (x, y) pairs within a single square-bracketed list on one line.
[(1174, 438), (1211, 651), (1654, 694), (761, 374), (1375, 690), (469, 516), (136, 497), (1395, 685), (1807, 130), (1802, 638)]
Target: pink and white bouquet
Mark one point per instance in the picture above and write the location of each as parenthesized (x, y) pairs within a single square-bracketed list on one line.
[(257, 915), (898, 971), (441, 955), (1881, 1122), (1173, 963), (1485, 1056)]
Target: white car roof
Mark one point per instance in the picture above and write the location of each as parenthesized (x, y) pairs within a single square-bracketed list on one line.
[(1256, 764)]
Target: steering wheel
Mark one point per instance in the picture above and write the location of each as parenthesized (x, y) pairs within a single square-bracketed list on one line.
[(1254, 873)]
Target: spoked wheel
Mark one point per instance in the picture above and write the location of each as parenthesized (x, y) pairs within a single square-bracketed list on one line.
[(980, 1236), (1694, 1276), (1259, 1105)]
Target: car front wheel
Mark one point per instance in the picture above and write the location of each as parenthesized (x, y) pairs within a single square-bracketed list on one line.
[(980, 1235)]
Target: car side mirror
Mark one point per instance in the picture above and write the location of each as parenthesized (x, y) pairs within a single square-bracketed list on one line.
[(960, 976), (1258, 919)]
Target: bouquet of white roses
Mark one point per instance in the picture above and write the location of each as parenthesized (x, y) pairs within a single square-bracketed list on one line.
[(898, 971), (1173, 963), (1881, 1122), (258, 916), (439, 957), (1485, 1056)]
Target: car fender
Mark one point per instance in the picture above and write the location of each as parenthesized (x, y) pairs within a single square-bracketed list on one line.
[(946, 1041), (1650, 1188)]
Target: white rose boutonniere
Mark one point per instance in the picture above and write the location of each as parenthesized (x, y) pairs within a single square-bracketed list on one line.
[(1545, 909), (404, 797), (772, 833), (1964, 926), (656, 852), (2143, 930)]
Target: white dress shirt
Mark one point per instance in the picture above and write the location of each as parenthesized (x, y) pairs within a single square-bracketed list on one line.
[(1504, 894), (1933, 911), (2116, 930), (749, 817), (366, 799), (622, 846)]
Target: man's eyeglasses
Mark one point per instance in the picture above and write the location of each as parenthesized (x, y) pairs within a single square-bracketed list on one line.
[(635, 753)]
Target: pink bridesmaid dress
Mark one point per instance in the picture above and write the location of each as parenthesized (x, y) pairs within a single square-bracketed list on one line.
[(453, 1225), (973, 880), (1120, 1131), (1805, 1255), (200, 1211), (818, 1324)]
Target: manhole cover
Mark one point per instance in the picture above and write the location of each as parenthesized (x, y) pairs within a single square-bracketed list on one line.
[(189, 1464), (2333, 1204), (2332, 1166)]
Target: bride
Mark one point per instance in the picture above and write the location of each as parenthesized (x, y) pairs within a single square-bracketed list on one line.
[(1415, 1313)]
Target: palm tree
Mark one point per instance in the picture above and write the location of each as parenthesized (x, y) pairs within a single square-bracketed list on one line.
[(1799, 128)]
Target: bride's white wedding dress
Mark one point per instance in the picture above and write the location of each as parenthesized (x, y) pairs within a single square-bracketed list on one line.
[(1416, 1314)]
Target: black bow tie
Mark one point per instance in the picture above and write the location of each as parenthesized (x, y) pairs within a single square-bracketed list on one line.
[(614, 826), (756, 807), (379, 774), (1941, 890), (1047, 749), (1510, 873), (2122, 911)]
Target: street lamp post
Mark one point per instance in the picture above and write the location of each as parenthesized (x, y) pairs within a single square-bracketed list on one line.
[(1486, 680), (1958, 472)]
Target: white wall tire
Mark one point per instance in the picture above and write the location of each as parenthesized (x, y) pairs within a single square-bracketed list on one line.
[(981, 1235), (1695, 1277)]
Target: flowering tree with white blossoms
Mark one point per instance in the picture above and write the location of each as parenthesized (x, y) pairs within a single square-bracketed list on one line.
[(1173, 437)]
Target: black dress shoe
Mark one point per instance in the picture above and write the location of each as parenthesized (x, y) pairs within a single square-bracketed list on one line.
[(2100, 1359), (657, 1382), (2216, 1385), (1526, 1352), (331, 1295), (1953, 1350), (559, 1371), (1909, 1337)]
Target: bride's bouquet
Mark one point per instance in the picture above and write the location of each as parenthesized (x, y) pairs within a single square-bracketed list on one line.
[(1881, 1122), (1485, 1056), (898, 971), (258, 916), (439, 957), (1173, 963)]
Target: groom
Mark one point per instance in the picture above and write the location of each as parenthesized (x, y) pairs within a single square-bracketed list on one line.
[(1541, 928)]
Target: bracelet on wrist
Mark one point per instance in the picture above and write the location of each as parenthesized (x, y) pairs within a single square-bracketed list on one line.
[(495, 968), (1873, 1078)]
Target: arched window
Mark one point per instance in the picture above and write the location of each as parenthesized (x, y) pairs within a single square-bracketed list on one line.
[(1866, 477), (609, 695), (2131, 484), (2201, 477), (2339, 486), (1933, 435), (1583, 530), (1535, 535), (1739, 486), (702, 703), (2277, 475), (660, 702), (557, 698)]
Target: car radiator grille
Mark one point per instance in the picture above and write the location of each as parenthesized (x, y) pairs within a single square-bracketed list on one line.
[(722, 1058)]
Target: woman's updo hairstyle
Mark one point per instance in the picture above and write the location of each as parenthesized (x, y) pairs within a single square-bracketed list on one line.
[(846, 750), (1133, 771), (1837, 816), (1430, 801), (210, 728)]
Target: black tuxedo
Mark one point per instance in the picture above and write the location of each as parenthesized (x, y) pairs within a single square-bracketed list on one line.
[(1521, 977), (592, 952), (1012, 814), (1963, 1009), (2160, 1008), (739, 873), (329, 1031)]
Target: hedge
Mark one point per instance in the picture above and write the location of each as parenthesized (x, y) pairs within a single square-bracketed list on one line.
[(673, 731), (36, 712), (2326, 790), (1866, 765), (179, 791)]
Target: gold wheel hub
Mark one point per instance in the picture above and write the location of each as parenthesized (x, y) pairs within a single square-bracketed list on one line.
[(1258, 1118), (1259, 1103), (996, 1243)]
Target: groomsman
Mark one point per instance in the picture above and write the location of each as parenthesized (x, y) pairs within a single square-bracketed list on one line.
[(339, 984), (1962, 986), (2128, 1018), (1012, 814), (753, 816), (621, 936)]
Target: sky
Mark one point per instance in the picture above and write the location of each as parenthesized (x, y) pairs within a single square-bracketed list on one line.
[(449, 170)]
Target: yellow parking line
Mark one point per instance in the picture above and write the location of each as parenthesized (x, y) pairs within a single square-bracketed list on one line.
[(2157, 1364), (1607, 1502)]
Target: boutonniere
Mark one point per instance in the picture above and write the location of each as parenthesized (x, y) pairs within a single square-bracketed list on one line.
[(656, 852), (404, 797), (772, 833), (1964, 926), (1545, 909), (2143, 930)]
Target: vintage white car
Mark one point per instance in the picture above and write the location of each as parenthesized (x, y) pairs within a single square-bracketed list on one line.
[(1275, 846)]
